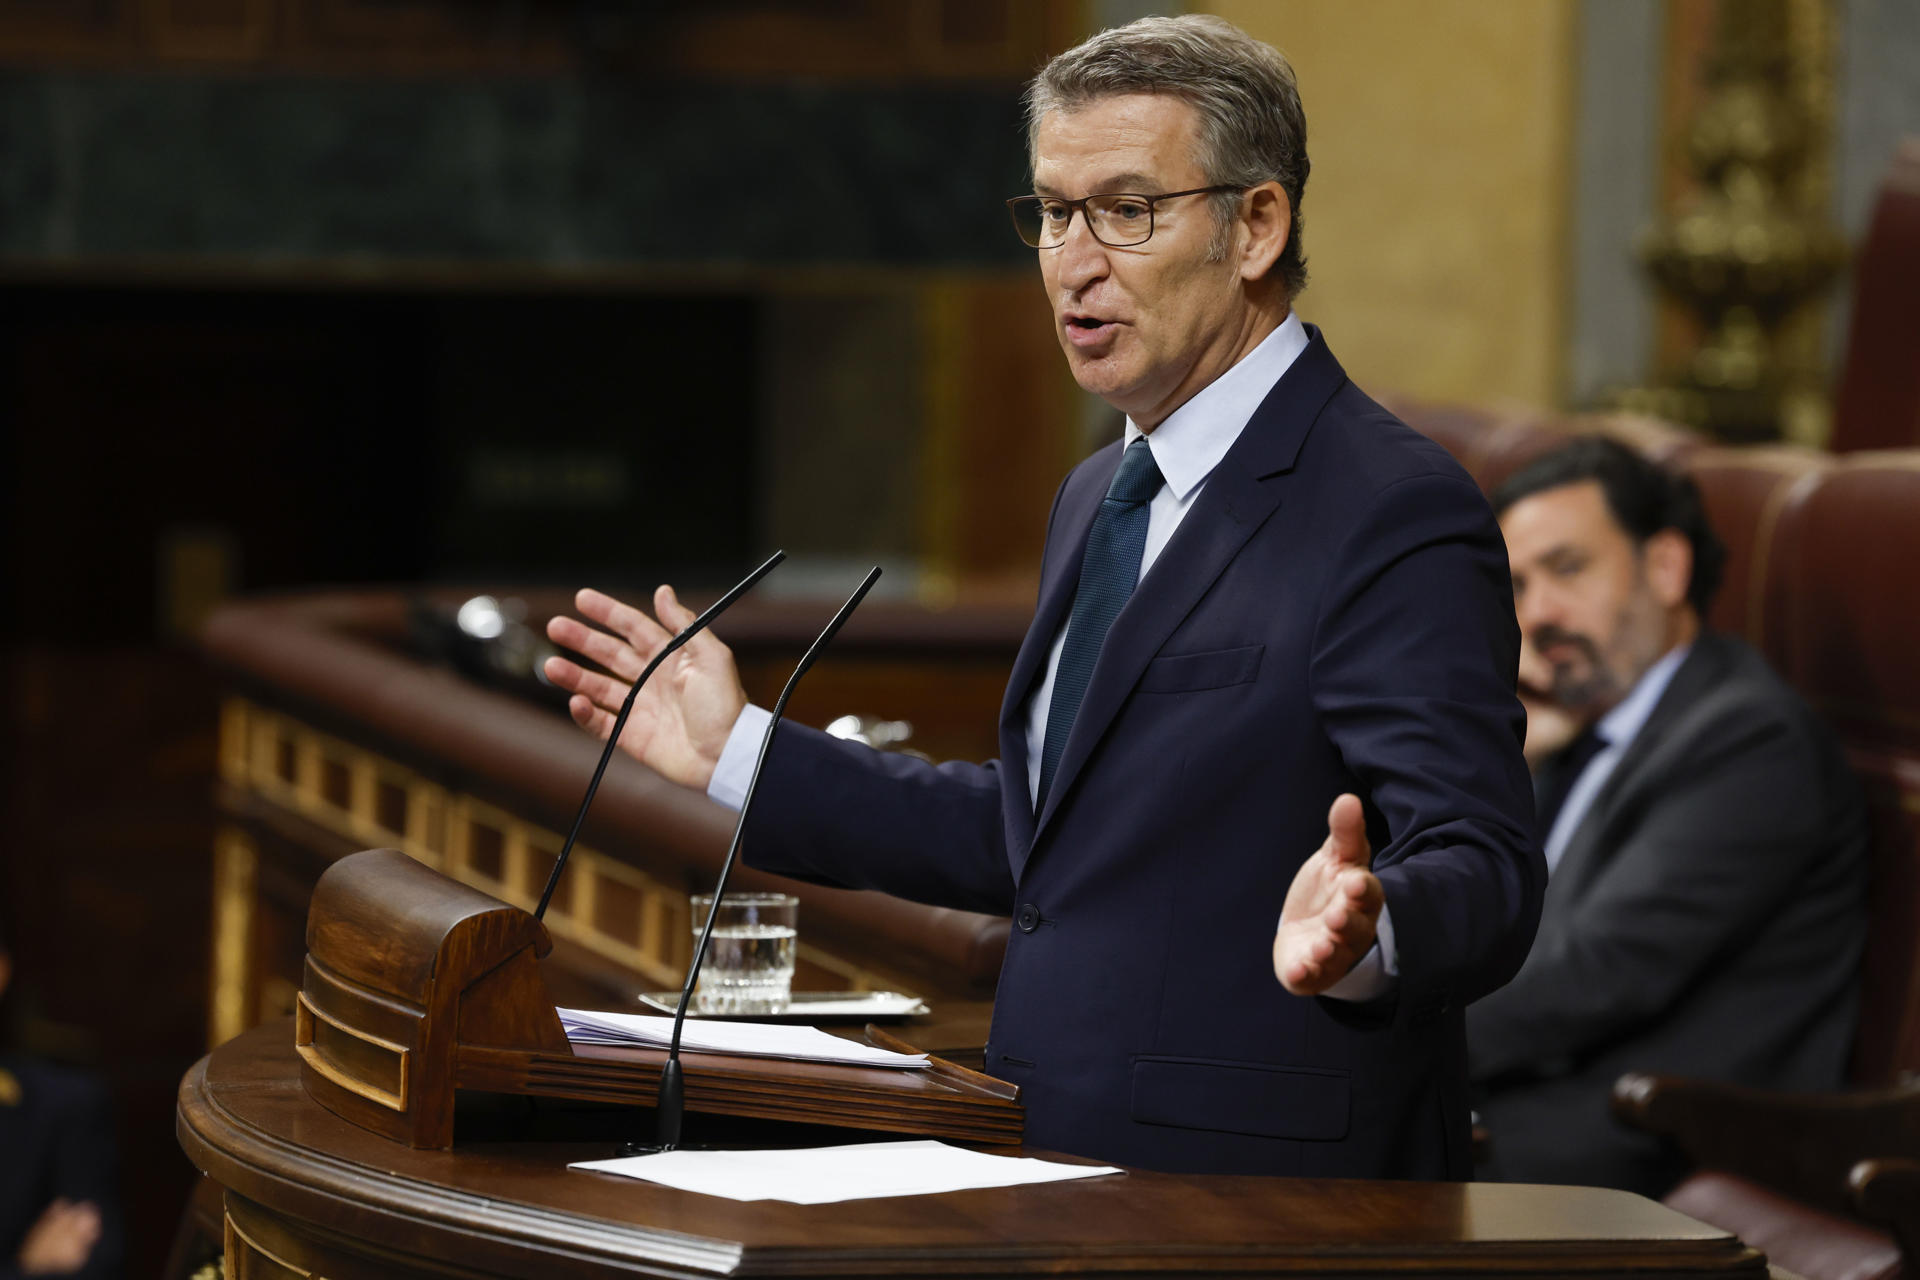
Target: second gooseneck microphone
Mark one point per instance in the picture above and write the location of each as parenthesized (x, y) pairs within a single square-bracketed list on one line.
[(671, 1105), (687, 633)]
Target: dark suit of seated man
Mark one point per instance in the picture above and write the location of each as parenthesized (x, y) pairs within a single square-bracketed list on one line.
[(1706, 895), (1272, 618), (59, 1206)]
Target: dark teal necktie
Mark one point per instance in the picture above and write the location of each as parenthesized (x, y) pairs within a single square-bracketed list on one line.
[(1107, 578), (1563, 774)]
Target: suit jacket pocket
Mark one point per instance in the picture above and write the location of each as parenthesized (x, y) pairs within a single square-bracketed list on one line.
[(1214, 669), (1241, 1097)]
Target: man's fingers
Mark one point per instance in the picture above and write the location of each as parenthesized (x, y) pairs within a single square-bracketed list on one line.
[(1373, 896), (1357, 903), (562, 672), (1347, 831), (672, 614), (81, 1222), (642, 632), (666, 603), (574, 678), (611, 652), (1361, 889), (1302, 958), (593, 719)]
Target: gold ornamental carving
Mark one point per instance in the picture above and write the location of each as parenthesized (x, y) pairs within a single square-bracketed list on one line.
[(1749, 252)]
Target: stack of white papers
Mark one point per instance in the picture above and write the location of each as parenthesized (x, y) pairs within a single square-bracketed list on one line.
[(827, 1175), (747, 1039)]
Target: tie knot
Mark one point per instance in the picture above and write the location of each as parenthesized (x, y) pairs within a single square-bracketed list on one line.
[(1587, 744), (1138, 478)]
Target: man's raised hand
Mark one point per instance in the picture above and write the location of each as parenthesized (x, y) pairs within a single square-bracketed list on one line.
[(1550, 726), (681, 720), (60, 1240), (1332, 908)]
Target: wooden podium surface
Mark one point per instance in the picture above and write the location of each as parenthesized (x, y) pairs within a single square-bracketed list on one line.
[(307, 1193)]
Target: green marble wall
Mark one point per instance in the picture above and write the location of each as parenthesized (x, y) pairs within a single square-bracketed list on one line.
[(566, 172)]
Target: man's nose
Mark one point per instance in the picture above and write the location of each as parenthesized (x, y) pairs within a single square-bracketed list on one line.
[(1082, 258), (1537, 607)]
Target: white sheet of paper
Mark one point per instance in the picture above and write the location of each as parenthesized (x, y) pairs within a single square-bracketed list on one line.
[(749, 1039), (827, 1175)]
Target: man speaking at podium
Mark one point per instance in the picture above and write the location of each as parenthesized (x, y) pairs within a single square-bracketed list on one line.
[(1270, 678)]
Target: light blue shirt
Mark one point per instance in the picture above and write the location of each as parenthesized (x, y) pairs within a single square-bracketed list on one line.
[(1617, 730), (1187, 446)]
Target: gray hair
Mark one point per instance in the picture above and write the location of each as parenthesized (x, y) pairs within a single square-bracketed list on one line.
[(1252, 129)]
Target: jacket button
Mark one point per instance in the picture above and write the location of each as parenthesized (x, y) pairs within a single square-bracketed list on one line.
[(1028, 919)]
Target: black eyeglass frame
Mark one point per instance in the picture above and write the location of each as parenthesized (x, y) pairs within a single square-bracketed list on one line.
[(1036, 203)]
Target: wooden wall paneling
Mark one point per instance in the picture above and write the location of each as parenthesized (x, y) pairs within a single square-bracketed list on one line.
[(954, 716), (34, 31), (431, 35), (620, 930), (858, 38), (757, 39), (230, 1002), (1002, 424), (238, 31)]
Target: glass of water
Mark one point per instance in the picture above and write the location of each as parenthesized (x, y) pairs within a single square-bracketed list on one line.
[(749, 966)]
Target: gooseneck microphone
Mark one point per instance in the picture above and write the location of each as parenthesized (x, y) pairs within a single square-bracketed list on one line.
[(687, 633), (671, 1106)]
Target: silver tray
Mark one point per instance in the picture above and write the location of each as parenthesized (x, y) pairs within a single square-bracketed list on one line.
[(807, 1006)]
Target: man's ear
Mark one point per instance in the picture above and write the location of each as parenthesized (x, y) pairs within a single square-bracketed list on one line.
[(1266, 220), (1668, 557)]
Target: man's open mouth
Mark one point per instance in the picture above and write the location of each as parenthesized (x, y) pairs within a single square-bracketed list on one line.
[(1087, 330)]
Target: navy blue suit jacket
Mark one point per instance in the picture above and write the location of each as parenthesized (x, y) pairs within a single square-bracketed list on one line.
[(1333, 614)]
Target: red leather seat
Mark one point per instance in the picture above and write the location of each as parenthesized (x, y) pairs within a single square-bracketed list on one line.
[(1468, 432), (1849, 568), (1878, 405), (1749, 494), (1494, 442), (1528, 440), (1837, 583)]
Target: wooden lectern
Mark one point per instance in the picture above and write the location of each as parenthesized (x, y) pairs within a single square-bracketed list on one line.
[(305, 1193), (417, 987)]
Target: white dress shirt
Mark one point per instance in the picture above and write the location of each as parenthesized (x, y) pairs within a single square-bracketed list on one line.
[(1617, 730), (1186, 446)]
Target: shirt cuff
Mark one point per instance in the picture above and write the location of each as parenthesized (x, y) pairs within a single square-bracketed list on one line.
[(734, 772), (1376, 972)]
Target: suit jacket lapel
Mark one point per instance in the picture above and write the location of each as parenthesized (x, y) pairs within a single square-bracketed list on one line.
[(1239, 497), (1059, 578), (1586, 851)]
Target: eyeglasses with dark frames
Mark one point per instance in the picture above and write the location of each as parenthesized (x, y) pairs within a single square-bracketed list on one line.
[(1119, 220)]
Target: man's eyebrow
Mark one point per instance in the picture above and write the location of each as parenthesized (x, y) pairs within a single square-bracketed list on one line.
[(1123, 183)]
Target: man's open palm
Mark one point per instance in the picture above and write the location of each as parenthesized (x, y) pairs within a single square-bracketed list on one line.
[(682, 717), (1328, 921)]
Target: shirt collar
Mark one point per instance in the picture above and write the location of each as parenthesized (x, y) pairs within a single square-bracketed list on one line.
[(1189, 444), (1620, 726)]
